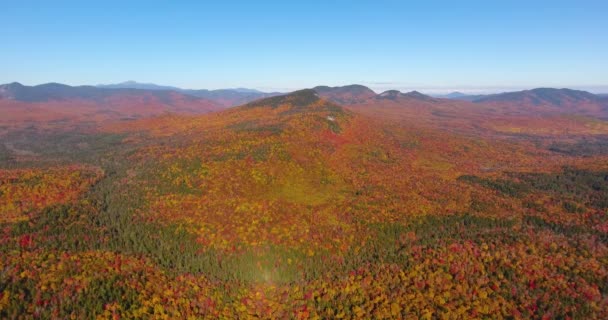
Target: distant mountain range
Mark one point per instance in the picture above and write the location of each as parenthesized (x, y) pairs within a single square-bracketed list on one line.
[(61, 92), (357, 94), (460, 96), (151, 86), (451, 95), (396, 95), (536, 96), (137, 85), (539, 97), (349, 94), (547, 101), (54, 102), (132, 99), (224, 97)]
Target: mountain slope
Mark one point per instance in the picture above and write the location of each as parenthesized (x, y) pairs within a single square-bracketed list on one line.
[(297, 170), (296, 207)]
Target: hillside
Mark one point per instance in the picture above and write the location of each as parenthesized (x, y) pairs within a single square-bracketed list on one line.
[(294, 206)]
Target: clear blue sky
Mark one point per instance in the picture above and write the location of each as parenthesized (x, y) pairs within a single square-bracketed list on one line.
[(428, 45)]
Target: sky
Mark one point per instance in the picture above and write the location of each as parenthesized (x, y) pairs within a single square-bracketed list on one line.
[(430, 46)]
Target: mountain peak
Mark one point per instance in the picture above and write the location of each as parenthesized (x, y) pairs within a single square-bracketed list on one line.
[(53, 85), (390, 94), (12, 84), (414, 93), (296, 99), (541, 96), (347, 88), (417, 95), (8, 91), (452, 95), (350, 94), (396, 94)]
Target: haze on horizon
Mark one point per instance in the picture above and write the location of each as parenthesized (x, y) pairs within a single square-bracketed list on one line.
[(435, 47)]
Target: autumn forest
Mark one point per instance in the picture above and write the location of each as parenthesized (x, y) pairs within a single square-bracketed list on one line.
[(324, 203)]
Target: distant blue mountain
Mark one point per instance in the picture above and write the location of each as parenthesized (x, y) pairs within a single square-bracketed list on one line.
[(451, 95), (226, 97), (137, 85), (396, 95), (542, 96), (459, 96)]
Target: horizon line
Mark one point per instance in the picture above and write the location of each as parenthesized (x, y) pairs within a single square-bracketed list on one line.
[(377, 87)]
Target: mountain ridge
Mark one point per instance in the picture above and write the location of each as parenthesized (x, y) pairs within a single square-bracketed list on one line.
[(228, 97), (50, 102), (544, 100), (348, 94), (540, 96), (130, 84)]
